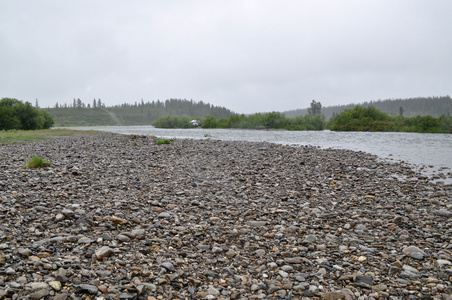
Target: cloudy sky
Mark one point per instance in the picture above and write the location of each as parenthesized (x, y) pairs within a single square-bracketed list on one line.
[(247, 55)]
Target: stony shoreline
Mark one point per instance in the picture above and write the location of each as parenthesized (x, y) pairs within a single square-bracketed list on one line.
[(119, 217)]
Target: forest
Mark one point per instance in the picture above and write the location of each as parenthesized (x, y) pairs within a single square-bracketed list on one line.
[(358, 118), (97, 113), (420, 106)]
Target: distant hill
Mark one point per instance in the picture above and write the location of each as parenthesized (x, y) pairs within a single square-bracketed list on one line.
[(433, 106), (140, 113), (96, 113)]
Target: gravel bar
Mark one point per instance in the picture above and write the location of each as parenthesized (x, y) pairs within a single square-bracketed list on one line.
[(119, 217)]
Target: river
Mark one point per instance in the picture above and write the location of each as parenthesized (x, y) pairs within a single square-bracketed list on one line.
[(429, 153)]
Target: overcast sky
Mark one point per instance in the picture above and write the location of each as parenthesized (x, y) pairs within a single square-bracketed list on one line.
[(249, 56)]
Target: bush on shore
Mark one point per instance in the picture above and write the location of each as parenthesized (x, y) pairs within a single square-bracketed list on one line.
[(273, 120), (371, 119), (15, 114), (172, 121)]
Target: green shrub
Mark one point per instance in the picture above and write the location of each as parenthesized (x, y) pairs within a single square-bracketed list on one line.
[(172, 121), (209, 122), (37, 162), (165, 141), (15, 114), (371, 119)]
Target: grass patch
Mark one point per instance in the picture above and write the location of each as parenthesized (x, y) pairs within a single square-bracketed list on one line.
[(36, 162), (24, 136), (165, 141), (66, 117)]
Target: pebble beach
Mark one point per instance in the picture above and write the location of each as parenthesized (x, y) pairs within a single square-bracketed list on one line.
[(120, 217)]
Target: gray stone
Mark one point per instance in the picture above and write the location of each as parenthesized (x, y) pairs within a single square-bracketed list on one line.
[(414, 252), (260, 252), (168, 266), (38, 285), (443, 213), (217, 250), (40, 294), (363, 281), (85, 240), (310, 239), (257, 223), (88, 288), (123, 238), (163, 215), (213, 291), (105, 236), (104, 251), (24, 251), (443, 262)]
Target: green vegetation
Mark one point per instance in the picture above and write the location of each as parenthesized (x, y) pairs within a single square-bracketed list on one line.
[(15, 114), (36, 162), (163, 142), (420, 106), (65, 117), (171, 121), (273, 120), (430, 114), (140, 113), (371, 119), (21, 136)]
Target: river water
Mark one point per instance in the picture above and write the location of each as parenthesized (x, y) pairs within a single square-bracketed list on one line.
[(428, 153)]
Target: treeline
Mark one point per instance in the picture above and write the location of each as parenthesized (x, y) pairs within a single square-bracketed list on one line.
[(371, 119), (358, 118), (78, 113), (273, 120), (14, 114), (420, 106)]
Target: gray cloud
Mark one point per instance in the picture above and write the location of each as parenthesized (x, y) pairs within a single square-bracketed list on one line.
[(249, 56)]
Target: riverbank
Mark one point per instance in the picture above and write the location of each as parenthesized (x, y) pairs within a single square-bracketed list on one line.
[(121, 217)]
